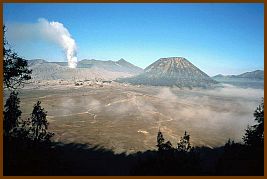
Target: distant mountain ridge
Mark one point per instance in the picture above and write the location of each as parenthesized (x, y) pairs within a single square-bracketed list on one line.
[(253, 79), (86, 69), (171, 71), (257, 74), (119, 66)]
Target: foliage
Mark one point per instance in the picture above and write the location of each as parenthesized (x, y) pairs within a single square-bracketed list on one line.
[(229, 144), (184, 143), (160, 139), (254, 135), (169, 160), (12, 113), (182, 146), (248, 158), (39, 124), (16, 70), (34, 128), (161, 145)]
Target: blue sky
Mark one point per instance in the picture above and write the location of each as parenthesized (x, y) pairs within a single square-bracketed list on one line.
[(217, 38)]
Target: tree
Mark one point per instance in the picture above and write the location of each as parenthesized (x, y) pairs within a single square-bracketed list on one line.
[(15, 74), (254, 135), (184, 143), (16, 70), (161, 145), (39, 124), (160, 139), (229, 143), (167, 146), (12, 113)]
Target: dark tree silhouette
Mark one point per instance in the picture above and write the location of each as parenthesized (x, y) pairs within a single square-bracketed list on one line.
[(160, 139), (254, 135), (15, 75), (247, 158), (39, 124), (168, 146), (228, 144), (161, 144), (184, 143), (16, 70), (12, 113)]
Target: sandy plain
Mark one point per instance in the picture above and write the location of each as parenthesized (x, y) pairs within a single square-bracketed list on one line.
[(126, 118)]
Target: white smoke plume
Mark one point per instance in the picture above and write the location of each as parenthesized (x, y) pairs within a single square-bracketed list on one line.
[(54, 32)]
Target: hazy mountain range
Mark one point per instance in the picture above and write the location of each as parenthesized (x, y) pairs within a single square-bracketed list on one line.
[(86, 69), (172, 71), (253, 79), (116, 66), (257, 74)]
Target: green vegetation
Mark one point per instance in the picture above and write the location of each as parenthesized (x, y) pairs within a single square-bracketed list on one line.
[(12, 112), (254, 134), (16, 72)]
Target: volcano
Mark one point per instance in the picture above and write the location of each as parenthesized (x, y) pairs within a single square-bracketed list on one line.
[(172, 71)]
